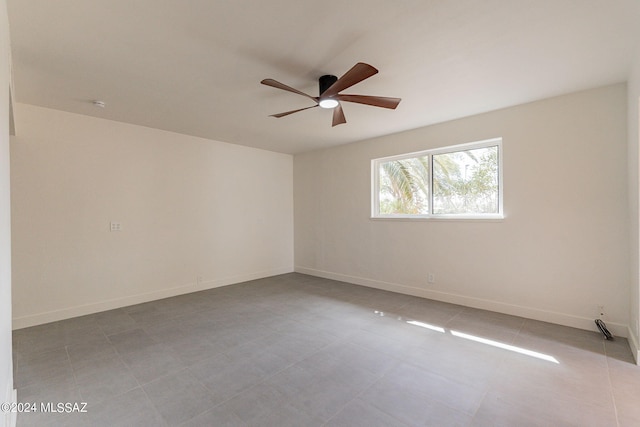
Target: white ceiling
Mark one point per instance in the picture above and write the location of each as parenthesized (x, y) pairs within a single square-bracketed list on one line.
[(195, 66)]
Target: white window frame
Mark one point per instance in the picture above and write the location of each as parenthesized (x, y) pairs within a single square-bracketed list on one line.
[(375, 180)]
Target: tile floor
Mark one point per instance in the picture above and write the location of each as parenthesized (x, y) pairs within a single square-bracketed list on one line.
[(296, 350)]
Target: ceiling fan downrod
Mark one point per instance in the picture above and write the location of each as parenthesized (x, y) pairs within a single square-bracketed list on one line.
[(325, 82)]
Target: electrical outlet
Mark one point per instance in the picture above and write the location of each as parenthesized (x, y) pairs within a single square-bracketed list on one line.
[(199, 280), (116, 226), (431, 278), (601, 311)]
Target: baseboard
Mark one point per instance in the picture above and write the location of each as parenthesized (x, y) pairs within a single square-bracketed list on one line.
[(516, 310), (633, 343), (81, 310)]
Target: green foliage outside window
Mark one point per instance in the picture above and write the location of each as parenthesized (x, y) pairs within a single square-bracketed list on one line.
[(464, 182)]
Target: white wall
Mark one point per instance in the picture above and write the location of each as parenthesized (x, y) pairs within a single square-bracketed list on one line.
[(561, 250), (188, 207), (634, 212), (6, 360)]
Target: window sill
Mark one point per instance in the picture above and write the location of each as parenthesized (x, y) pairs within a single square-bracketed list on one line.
[(472, 218)]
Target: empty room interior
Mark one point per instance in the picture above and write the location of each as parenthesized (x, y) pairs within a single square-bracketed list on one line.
[(301, 213)]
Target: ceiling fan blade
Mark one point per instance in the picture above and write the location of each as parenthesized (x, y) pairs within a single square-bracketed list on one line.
[(376, 101), (356, 74), (291, 112), (338, 116), (278, 85)]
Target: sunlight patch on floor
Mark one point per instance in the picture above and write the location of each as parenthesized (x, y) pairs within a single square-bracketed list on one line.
[(505, 346), (426, 326), (474, 338)]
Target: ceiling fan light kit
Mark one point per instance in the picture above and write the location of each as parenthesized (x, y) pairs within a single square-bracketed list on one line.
[(330, 96), (328, 103)]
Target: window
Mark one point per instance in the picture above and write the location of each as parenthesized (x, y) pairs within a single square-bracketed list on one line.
[(462, 181)]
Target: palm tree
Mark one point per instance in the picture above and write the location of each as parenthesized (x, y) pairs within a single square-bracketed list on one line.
[(404, 186)]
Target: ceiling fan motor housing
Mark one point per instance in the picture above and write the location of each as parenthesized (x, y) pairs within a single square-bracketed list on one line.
[(325, 82)]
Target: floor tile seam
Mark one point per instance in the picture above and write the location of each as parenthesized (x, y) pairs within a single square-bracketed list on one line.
[(396, 358), (162, 377), (73, 372), (146, 395), (332, 342), (263, 381), (273, 374), (163, 345), (31, 356), (326, 420), (68, 360), (310, 355), (485, 389), (427, 398), (251, 340), (155, 335), (378, 376), (193, 414), (105, 336), (143, 323), (106, 399), (126, 365), (522, 325), (567, 398), (452, 318), (448, 405), (342, 336), (238, 394), (273, 311), (375, 407), (127, 329), (166, 374), (494, 369), (517, 334), (484, 397), (612, 395), (366, 389)]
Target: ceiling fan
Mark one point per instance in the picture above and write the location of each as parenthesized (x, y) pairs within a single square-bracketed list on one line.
[(330, 96)]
